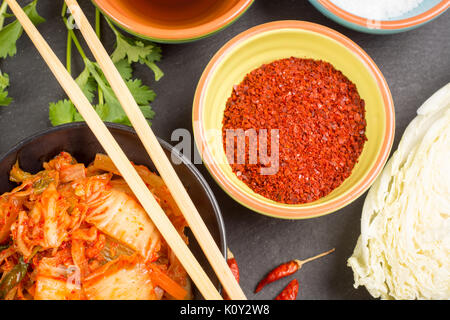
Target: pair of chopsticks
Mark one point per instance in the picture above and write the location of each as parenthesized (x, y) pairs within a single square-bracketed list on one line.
[(125, 167)]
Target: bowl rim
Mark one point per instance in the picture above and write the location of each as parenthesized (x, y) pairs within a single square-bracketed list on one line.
[(385, 24), (178, 35), (295, 211), (167, 146)]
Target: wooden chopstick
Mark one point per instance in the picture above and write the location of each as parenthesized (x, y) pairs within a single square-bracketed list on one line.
[(112, 148), (157, 154)]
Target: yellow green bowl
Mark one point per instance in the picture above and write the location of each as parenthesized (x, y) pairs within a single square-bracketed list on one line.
[(283, 39)]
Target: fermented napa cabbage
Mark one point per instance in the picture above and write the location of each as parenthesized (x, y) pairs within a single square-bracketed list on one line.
[(404, 248)]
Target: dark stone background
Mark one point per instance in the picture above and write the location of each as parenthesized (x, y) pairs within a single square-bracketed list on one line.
[(415, 65)]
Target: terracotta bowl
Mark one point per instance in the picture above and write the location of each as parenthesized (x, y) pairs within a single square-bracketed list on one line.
[(173, 21)]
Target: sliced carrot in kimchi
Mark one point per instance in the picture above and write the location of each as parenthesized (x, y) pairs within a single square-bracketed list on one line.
[(162, 280), (123, 218), (125, 278)]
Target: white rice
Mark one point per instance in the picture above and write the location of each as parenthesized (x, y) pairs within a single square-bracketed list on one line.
[(377, 9)]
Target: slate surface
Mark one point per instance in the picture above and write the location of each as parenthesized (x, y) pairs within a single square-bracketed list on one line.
[(415, 64)]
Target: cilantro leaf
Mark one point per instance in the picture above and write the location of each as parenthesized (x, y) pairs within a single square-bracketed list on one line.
[(147, 111), (77, 117), (156, 54), (112, 110), (156, 70), (124, 68), (62, 112), (4, 84), (102, 110), (12, 32), (4, 80), (94, 84), (4, 99), (141, 93), (32, 13), (150, 62), (87, 84), (133, 50)]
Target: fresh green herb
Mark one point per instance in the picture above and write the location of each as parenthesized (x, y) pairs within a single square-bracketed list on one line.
[(3, 8), (110, 108), (9, 35), (95, 86), (4, 84), (61, 112), (133, 50)]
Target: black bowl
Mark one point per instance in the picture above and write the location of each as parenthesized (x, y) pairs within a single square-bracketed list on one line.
[(79, 141)]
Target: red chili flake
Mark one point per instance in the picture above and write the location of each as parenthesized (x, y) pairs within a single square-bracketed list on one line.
[(321, 121)]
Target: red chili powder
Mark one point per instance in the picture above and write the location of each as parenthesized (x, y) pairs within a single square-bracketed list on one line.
[(321, 121)]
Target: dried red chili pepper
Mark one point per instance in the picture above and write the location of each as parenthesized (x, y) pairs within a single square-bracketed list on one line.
[(286, 269), (290, 292), (232, 264), (321, 125)]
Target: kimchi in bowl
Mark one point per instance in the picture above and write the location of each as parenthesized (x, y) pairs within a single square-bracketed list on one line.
[(77, 141)]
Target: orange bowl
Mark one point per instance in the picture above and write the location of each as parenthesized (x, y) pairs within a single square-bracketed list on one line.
[(283, 39), (173, 21)]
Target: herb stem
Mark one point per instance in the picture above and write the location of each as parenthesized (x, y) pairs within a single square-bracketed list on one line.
[(69, 41), (75, 40), (112, 27), (77, 44), (156, 70), (97, 22), (2, 13), (69, 54), (98, 32), (64, 10)]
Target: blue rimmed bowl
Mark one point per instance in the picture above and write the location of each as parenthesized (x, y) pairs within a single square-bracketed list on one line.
[(425, 12)]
